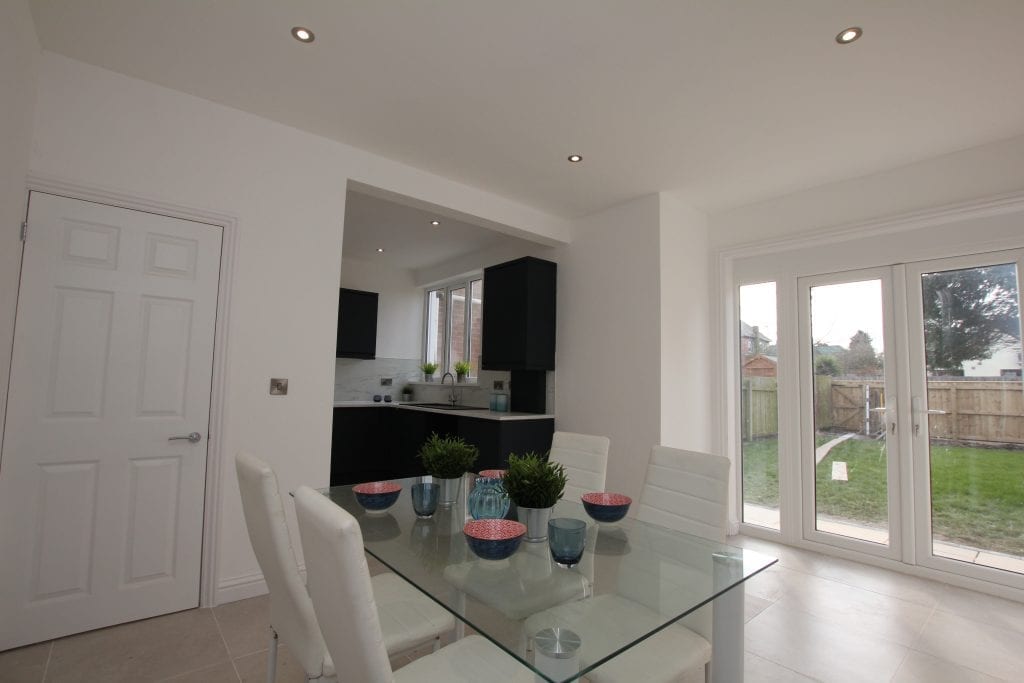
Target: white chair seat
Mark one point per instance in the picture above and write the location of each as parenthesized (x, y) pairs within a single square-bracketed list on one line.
[(407, 617), (471, 659), (606, 622)]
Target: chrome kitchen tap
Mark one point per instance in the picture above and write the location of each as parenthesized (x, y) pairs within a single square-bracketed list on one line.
[(451, 395)]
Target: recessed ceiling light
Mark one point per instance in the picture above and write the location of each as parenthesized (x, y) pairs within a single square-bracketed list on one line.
[(435, 222), (575, 158), (379, 250), (303, 35), (848, 35)]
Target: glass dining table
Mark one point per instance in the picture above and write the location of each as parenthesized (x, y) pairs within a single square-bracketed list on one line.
[(662, 575)]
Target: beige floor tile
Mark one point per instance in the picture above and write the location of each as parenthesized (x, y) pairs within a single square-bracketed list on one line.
[(218, 673), (760, 670), (981, 607), (789, 557), (253, 668), (24, 664), (921, 668), (245, 624), (821, 649), (977, 645), (143, 650), (857, 610), (753, 605), (884, 581)]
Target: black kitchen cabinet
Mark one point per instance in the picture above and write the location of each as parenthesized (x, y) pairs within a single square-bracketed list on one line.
[(357, 324), (519, 315), (375, 443)]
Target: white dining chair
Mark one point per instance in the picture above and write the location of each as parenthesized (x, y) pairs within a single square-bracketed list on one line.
[(684, 491), (409, 618), (343, 599), (585, 458)]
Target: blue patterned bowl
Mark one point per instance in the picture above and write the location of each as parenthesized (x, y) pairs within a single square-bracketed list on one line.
[(377, 495), (493, 539), (606, 507)]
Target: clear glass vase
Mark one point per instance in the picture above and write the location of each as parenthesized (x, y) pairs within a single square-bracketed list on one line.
[(488, 499)]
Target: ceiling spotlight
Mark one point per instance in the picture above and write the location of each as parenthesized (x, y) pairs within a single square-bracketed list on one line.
[(380, 250), (303, 35), (435, 222), (575, 158), (848, 35)]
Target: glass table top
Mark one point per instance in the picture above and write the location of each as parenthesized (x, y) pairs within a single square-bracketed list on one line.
[(635, 567)]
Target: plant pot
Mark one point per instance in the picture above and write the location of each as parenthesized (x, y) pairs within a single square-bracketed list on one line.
[(460, 377), (536, 521), (449, 491), (428, 378), (406, 397)]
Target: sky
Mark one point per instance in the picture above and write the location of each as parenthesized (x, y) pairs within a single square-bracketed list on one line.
[(837, 312)]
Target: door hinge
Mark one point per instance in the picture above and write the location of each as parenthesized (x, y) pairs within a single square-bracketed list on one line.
[(24, 230)]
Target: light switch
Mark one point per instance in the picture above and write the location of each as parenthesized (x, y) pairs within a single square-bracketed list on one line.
[(278, 386), (385, 381)]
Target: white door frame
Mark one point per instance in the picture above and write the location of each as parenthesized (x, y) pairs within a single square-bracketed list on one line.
[(218, 393)]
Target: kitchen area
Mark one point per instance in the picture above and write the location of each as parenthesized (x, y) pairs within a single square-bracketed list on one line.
[(423, 288)]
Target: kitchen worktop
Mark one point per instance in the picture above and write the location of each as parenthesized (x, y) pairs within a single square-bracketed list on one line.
[(480, 414)]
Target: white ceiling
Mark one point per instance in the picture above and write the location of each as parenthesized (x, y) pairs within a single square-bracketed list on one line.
[(408, 239), (728, 102)]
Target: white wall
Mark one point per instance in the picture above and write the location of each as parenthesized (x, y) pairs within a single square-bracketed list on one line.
[(287, 190), (608, 338), (399, 307), (685, 301), (19, 66), (970, 174)]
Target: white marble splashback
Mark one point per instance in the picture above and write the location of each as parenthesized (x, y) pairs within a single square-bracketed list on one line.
[(359, 380)]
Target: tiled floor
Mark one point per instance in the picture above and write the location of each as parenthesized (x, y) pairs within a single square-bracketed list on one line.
[(810, 618)]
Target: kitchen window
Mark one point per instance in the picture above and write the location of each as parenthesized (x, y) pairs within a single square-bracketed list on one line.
[(453, 324)]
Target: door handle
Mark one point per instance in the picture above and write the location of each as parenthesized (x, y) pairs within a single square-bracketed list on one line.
[(194, 437)]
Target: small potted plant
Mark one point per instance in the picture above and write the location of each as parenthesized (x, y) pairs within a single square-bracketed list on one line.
[(447, 459), (407, 393), (534, 485), (428, 369), (462, 369)]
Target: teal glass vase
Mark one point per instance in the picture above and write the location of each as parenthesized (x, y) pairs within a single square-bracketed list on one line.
[(488, 499)]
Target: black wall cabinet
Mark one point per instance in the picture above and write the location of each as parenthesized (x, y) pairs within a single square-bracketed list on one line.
[(371, 444), (519, 315), (357, 324)]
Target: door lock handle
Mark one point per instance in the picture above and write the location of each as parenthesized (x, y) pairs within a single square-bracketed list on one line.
[(194, 437)]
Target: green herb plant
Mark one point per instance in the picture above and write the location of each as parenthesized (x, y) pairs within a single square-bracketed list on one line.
[(447, 457), (533, 482), (462, 368), (429, 368)]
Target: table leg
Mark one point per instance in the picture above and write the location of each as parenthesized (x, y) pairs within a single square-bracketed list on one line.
[(460, 605), (727, 650)]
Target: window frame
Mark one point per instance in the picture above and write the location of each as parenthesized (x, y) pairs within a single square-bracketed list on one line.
[(444, 359)]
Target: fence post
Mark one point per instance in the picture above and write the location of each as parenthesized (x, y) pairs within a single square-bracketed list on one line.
[(954, 413)]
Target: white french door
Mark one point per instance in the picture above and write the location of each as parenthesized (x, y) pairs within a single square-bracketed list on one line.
[(103, 469), (912, 413)]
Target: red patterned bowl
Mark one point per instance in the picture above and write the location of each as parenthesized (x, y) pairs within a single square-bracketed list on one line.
[(377, 495), (606, 507), (492, 474), (493, 539)]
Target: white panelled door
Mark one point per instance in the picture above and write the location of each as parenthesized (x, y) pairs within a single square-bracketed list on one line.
[(101, 511)]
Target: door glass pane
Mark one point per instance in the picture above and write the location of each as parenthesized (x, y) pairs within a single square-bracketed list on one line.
[(975, 414), (457, 339), (851, 459), (759, 406), (476, 321), (436, 324)]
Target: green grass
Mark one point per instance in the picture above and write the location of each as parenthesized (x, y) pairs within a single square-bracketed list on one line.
[(977, 493)]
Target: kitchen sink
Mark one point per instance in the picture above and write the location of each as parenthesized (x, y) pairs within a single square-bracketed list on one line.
[(446, 406)]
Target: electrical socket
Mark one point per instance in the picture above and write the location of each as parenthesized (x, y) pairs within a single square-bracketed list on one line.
[(278, 386), (385, 381), (499, 384)]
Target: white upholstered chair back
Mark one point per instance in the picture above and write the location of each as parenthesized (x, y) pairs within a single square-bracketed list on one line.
[(686, 491), (585, 459), (339, 584), (291, 611)]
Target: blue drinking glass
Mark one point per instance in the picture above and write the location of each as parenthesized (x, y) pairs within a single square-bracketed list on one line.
[(424, 499), (566, 539)]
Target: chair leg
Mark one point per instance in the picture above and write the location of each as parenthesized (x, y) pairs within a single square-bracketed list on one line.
[(707, 672), (272, 657)]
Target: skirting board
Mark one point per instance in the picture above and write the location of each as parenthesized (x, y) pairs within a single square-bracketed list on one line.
[(243, 587)]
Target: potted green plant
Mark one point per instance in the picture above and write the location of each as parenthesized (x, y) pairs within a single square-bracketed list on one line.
[(407, 393), (462, 369), (534, 484), (428, 369), (446, 459)]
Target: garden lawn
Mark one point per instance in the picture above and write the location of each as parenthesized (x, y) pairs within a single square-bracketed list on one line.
[(977, 493)]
